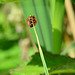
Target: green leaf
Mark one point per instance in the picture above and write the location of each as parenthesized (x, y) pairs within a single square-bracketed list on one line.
[(58, 64), (68, 49), (67, 68), (10, 58), (73, 1), (6, 1), (39, 9), (11, 52), (10, 63), (29, 70), (57, 17)]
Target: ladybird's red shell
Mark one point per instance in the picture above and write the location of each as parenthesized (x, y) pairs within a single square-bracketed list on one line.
[(31, 21)]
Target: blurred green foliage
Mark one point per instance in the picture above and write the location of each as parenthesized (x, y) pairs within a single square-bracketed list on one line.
[(7, 31), (10, 53), (12, 29), (5, 1)]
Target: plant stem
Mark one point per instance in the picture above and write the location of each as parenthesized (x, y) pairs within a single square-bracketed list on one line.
[(41, 54), (71, 16)]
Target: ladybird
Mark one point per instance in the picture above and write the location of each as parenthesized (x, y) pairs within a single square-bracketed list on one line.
[(31, 21)]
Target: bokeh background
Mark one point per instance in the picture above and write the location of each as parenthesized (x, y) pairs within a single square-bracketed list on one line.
[(13, 37), (15, 44)]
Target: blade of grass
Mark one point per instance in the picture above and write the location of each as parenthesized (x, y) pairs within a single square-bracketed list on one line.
[(36, 14), (39, 9), (28, 9), (71, 16), (57, 16)]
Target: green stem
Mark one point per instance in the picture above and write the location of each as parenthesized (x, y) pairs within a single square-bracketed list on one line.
[(41, 54)]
